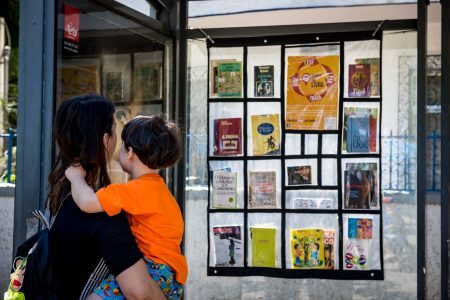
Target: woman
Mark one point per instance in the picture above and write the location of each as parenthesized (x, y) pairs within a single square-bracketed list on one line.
[(85, 134)]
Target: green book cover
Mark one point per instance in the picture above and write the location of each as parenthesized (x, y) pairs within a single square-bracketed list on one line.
[(229, 79), (263, 247)]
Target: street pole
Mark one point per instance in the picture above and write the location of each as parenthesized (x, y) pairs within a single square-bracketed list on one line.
[(6, 52)]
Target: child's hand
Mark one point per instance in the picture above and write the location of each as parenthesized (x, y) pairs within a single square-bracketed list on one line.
[(74, 172)]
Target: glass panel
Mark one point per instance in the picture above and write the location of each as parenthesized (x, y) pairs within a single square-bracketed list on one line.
[(110, 55)]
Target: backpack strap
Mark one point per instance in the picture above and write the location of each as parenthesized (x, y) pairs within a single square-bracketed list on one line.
[(95, 278)]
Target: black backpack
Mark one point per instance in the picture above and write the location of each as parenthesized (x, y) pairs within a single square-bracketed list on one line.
[(39, 281)]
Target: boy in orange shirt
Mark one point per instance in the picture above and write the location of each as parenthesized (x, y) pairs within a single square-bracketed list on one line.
[(148, 145)]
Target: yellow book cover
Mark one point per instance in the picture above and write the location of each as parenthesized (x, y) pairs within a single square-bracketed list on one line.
[(374, 74), (266, 134), (307, 248), (312, 92), (263, 247)]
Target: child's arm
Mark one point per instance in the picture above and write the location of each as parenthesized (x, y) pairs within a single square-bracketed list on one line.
[(83, 195)]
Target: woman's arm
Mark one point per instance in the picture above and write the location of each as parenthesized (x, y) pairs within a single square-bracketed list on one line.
[(83, 195)]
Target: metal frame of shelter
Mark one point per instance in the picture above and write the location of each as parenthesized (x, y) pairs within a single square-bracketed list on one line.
[(37, 97)]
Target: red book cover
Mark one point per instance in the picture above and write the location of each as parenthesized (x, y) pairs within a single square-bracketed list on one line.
[(359, 80), (228, 136), (372, 134)]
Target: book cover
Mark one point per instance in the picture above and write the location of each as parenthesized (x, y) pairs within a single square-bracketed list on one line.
[(114, 86), (262, 191), (359, 80), (147, 81), (214, 75), (307, 248), (358, 129), (263, 247), (328, 246), (360, 228), (312, 92), (228, 136), (374, 74), (299, 175), (312, 203), (371, 114), (356, 254), (357, 189), (229, 79), (266, 134), (264, 81), (228, 246), (224, 189), (374, 187), (79, 81)]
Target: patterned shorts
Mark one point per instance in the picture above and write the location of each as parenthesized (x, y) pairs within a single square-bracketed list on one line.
[(161, 273)]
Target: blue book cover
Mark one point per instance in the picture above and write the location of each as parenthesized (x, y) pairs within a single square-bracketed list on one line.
[(358, 134)]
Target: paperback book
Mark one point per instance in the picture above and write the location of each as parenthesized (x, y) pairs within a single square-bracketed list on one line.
[(228, 246), (147, 81), (229, 79), (228, 136), (299, 175), (360, 129), (264, 81), (360, 228), (263, 247), (307, 248), (262, 191), (266, 134), (374, 74), (224, 189), (372, 167), (357, 189), (359, 80), (114, 86), (214, 74), (328, 244)]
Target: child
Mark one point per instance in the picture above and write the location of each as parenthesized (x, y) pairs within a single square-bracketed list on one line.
[(148, 145)]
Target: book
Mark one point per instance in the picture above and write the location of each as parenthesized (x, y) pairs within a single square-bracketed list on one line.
[(264, 81), (307, 248), (356, 254), (358, 130), (374, 74), (359, 80), (114, 86), (360, 228), (266, 134), (224, 189), (214, 74), (312, 203), (147, 81), (312, 92), (229, 79), (263, 247), (374, 187), (357, 189), (299, 175), (371, 126), (227, 136), (328, 248), (262, 191), (228, 246)]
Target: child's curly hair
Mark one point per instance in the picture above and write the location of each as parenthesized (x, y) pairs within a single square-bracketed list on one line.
[(155, 141)]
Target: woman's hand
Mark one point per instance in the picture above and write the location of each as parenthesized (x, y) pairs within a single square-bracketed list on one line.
[(74, 172)]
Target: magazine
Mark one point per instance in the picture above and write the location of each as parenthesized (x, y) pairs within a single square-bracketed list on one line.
[(264, 81), (299, 175), (312, 92), (266, 134), (228, 136), (228, 246), (307, 248), (224, 189), (262, 191), (263, 246), (359, 80)]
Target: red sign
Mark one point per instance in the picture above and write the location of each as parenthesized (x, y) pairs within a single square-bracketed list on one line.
[(71, 23)]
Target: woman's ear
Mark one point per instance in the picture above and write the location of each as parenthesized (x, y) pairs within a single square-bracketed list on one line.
[(106, 138)]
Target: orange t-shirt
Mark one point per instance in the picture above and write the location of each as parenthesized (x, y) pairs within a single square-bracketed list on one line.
[(155, 219)]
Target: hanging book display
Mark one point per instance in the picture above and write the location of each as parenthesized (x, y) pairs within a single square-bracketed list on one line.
[(295, 159)]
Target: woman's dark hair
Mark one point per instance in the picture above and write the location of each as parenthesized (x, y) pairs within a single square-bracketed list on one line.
[(80, 125), (155, 141)]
